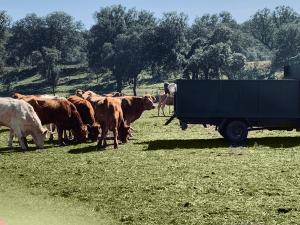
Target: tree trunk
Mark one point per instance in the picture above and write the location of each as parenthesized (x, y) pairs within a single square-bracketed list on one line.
[(119, 83), (206, 74), (134, 85)]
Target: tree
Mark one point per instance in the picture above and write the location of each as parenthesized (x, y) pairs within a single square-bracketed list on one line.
[(47, 62), (4, 29), (262, 27), (57, 30), (288, 42), (66, 35), (214, 55), (167, 43), (28, 35), (283, 15), (264, 24), (118, 43)]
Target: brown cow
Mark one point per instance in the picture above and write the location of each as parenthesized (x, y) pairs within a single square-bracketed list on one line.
[(87, 114), (110, 116), (85, 94), (114, 94), (133, 107), (60, 112), (165, 99)]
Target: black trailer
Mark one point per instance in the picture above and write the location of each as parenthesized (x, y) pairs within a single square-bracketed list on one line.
[(238, 106)]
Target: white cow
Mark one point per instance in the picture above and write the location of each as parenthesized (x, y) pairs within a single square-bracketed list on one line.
[(21, 118)]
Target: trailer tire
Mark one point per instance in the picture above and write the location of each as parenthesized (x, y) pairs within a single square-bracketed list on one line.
[(222, 132), (236, 131)]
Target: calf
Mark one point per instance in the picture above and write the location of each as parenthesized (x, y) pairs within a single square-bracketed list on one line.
[(21, 118), (109, 115), (164, 99), (87, 113)]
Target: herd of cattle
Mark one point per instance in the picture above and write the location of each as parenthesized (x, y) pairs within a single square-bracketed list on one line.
[(86, 116)]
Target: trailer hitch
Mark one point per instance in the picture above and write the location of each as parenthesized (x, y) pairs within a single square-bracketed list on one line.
[(170, 120)]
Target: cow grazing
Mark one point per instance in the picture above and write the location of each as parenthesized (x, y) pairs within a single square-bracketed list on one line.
[(164, 99), (87, 114), (109, 115), (60, 112), (21, 118), (133, 107)]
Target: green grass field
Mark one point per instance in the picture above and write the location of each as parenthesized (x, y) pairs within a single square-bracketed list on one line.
[(162, 176)]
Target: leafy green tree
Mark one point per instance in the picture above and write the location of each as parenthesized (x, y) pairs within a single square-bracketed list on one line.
[(57, 30), (262, 27), (118, 43), (288, 42), (212, 56), (47, 62), (283, 15), (264, 24), (28, 35), (4, 30), (66, 35), (170, 42)]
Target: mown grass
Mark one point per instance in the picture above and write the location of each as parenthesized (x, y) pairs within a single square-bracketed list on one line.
[(168, 176)]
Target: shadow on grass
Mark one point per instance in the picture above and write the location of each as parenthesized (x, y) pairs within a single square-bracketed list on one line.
[(93, 148), (272, 142), (86, 149), (4, 130), (17, 148)]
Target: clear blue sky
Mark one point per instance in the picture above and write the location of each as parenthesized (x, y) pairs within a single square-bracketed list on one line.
[(84, 9)]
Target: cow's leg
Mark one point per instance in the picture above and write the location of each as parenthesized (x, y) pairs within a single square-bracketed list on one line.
[(51, 128), (102, 139), (158, 108), (11, 138), (65, 135), (22, 140), (115, 131), (60, 136), (25, 141), (70, 135), (163, 109), (105, 137)]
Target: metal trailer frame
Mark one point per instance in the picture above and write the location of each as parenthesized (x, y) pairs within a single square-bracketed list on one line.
[(238, 106)]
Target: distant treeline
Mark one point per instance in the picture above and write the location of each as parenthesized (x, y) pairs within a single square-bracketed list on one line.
[(126, 42)]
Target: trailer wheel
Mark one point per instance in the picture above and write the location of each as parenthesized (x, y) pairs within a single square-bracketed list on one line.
[(236, 131), (222, 132)]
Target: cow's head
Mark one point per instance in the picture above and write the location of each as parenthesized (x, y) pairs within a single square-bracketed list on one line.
[(80, 134), (39, 137), (79, 93), (148, 103), (93, 132)]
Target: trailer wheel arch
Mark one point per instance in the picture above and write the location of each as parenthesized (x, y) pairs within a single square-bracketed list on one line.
[(234, 130), (226, 121)]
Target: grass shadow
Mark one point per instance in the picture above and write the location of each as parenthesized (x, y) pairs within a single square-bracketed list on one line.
[(272, 142), (17, 149), (86, 149), (4, 131)]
